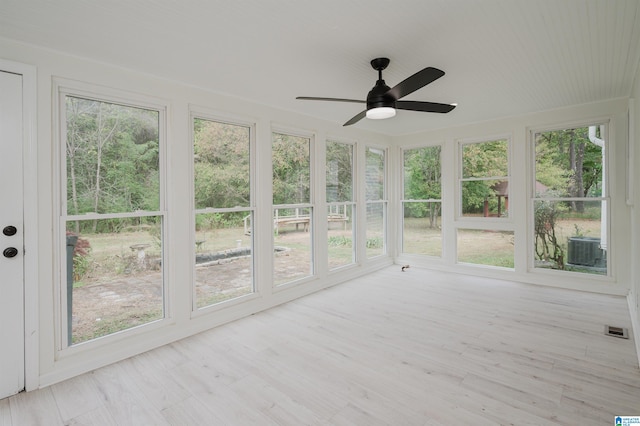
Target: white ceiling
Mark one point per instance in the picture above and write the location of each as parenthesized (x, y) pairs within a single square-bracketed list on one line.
[(501, 57)]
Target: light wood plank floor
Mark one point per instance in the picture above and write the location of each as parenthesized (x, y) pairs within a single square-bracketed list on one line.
[(392, 348)]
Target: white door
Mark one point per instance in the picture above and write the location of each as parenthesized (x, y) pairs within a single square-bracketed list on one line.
[(12, 371)]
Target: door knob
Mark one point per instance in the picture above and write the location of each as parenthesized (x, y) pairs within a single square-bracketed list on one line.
[(9, 231), (10, 252)]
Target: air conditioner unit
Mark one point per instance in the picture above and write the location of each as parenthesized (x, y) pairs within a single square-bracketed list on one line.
[(586, 251)]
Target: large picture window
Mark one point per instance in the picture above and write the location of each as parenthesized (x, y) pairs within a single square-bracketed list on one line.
[(340, 204), (570, 199), (422, 203), (112, 217), (375, 190), (224, 212), (293, 211)]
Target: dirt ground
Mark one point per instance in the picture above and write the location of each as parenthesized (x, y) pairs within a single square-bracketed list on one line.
[(133, 297), (115, 302)]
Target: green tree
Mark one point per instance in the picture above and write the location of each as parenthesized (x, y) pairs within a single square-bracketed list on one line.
[(291, 169), (339, 172), (112, 154), (221, 164), (569, 164), (481, 161), (422, 181)]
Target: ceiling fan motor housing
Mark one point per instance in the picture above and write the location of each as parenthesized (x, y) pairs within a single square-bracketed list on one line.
[(378, 96)]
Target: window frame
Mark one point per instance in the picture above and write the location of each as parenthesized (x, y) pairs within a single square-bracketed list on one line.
[(311, 205), (199, 113), (404, 201), (352, 203), (462, 223), (605, 198), (460, 177), (383, 202), (64, 88)]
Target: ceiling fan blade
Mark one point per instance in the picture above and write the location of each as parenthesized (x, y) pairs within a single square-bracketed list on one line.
[(310, 98), (355, 119), (415, 82), (424, 106)]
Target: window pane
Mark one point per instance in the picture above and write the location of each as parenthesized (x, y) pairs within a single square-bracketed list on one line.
[(291, 169), (485, 198), (422, 173), (422, 232), (571, 235), (221, 165), (112, 157), (485, 159), (376, 226), (292, 244), (569, 163), (339, 172), (341, 235), (374, 178), (224, 257), (114, 275), (486, 247)]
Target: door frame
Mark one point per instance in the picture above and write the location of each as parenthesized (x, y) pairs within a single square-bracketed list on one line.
[(30, 208)]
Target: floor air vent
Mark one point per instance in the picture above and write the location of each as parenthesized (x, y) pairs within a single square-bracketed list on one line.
[(616, 332)]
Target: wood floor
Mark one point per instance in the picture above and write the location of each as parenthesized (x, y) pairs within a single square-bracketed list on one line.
[(392, 348)]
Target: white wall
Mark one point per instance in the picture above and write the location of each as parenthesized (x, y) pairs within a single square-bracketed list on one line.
[(634, 296), (52, 67), (518, 129)]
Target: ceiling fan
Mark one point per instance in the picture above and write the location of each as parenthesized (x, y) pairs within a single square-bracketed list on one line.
[(383, 101)]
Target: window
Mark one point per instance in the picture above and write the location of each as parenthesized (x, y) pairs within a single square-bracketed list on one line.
[(224, 212), (484, 237), (293, 211), (484, 182), (112, 217), (376, 229), (422, 204), (340, 204), (570, 200)]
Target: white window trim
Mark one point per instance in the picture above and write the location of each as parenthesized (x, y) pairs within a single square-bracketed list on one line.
[(461, 221), (531, 199), (61, 89), (404, 201), (352, 203), (203, 113), (384, 201), (311, 205)]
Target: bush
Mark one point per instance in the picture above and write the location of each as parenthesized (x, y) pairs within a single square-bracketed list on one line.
[(339, 241), (81, 258)]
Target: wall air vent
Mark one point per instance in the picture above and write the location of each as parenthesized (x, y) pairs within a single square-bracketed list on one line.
[(616, 332)]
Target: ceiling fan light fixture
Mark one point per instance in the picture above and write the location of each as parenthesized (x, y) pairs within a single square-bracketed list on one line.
[(380, 113)]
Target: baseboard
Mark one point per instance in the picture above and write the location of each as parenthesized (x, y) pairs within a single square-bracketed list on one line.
[(635, 323)]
